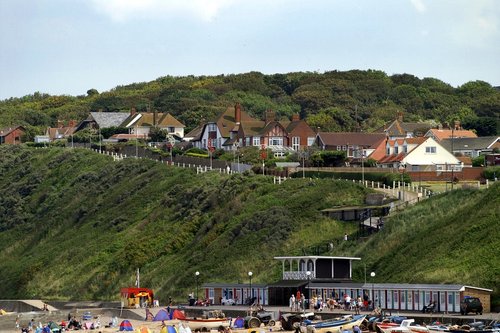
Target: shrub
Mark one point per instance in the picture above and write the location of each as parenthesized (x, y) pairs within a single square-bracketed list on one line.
[(385, 178), (491, 172)]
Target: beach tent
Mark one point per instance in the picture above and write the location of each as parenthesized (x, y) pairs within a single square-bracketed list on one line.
[(143, 329), (178, 314), (126, 326), (239, 322), (2, 312), (181, 329), (171, 329), (162, 315), (54, 327)]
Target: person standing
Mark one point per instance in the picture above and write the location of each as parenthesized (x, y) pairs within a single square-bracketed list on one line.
[(292, 302)]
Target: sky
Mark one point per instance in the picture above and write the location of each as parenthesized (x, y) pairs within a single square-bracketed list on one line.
[(66, 47)]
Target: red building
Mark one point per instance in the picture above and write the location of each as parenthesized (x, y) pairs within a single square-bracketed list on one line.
[(11, 135)]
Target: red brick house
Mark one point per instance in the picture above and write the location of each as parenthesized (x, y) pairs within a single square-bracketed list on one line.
[(11, 135), (234, 128)]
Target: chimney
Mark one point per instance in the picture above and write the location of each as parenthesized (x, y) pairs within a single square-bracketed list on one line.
[(295, 117), (400, 116), (133, 112), (440, 127), (269, 116), (237, 113)]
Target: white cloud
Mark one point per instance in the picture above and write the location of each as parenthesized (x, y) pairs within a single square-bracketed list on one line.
[(122, 10), (419, 5)]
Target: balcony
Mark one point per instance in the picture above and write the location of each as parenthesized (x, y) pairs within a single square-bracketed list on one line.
[(301, 275)]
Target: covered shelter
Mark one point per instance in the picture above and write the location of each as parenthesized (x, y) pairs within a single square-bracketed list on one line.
[(136, 297)]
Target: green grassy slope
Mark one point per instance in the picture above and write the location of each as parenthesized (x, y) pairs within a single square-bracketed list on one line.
[(451, 238), (74, 224)]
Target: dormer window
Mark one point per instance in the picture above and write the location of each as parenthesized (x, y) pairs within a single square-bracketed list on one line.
[(396, 150)]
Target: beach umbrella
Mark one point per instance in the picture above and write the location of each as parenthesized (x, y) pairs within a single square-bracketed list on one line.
[(143, 329), (126, 326)]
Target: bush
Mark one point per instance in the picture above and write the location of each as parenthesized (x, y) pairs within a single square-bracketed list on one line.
[(385, 178), (491, 172)]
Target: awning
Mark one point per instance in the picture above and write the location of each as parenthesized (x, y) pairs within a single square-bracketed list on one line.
[(287, 284)]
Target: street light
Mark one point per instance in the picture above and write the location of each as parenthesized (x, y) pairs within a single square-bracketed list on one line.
[(402, 171), (308, 273), (372, 274), (251, 291), (196, 276)]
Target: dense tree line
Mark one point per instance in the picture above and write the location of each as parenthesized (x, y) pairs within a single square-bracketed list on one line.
[(333, 101)]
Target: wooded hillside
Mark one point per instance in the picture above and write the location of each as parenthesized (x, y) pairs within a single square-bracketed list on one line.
[(334, 101)]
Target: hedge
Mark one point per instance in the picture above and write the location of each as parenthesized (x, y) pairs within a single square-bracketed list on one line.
[(384, 178)]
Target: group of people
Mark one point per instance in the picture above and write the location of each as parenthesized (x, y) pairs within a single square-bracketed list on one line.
[(298, 302)]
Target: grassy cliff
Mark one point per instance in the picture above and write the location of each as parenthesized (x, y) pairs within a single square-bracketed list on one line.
[(75, 224)]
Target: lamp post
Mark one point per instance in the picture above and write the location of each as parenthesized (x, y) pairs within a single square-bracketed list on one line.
[(251, 291), (402, 171), (196, 274), (308, 273), (372, 274)]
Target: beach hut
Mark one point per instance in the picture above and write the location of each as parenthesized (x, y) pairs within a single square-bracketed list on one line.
[(162, 315), (126, 326)]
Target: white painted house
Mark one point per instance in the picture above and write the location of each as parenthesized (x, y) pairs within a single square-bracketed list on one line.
[(431, 156)]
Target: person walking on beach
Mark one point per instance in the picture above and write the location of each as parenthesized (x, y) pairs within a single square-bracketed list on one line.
[(292, 302)]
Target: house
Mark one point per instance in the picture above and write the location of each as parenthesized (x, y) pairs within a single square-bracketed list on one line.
[(137, 123), (439, 134), (417, 154), (472, 147), (11, 135), (353, 143), (401, 129), (61, 131), (234, 128), (141, 123)]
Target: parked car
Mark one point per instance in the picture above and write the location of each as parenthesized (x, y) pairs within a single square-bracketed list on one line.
[(471, 304), (228, 301)]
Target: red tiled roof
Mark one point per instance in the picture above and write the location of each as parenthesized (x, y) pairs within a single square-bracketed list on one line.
[(440, 134)]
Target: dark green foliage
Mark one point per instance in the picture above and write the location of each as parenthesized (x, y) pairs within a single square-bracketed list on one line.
[(384, 178), (333, 101), (492, 173), (110, 131)]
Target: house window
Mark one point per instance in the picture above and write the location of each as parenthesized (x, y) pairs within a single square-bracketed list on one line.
[(405, 149), (170, 129), (310, 140), (344, 147), (388, 151), (339, 147), (212, 127), (296, 143), (247, 141), (276, 141), (256, 141), (415, 168), (430, 150), (396, 150)]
